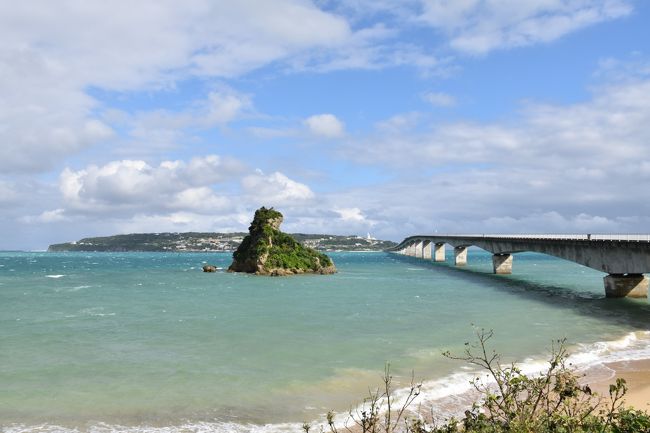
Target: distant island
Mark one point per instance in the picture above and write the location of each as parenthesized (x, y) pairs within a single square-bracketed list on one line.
[(266, 250), (212, 242)]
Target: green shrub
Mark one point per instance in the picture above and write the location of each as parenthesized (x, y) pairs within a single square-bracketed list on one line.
[(512, 402), (279, 250)]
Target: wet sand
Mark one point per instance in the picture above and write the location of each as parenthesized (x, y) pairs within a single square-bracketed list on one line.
[(637, 376)]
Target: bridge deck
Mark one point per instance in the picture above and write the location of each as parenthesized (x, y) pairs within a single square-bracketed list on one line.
[(624, 257)]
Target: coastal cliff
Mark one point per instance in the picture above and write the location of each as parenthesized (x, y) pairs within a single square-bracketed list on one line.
[(268, 251)]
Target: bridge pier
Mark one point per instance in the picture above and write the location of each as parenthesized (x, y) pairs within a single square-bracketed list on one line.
[(439, 253), (412, 249), (418, 249), (426, 250), (460, 254), (628, 285), (502, 264)]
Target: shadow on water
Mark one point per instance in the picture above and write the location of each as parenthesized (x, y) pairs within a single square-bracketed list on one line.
[(624, 311)]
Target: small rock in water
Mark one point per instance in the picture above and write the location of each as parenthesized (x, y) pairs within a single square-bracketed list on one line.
[(209, 268)]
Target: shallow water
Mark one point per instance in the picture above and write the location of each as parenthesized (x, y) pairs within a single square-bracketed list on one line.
[(146, 341)]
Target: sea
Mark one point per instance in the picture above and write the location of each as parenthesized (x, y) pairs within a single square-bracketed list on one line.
[(148, 343)]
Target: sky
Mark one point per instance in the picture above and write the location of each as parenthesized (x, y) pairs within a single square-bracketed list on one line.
[(392, 118)]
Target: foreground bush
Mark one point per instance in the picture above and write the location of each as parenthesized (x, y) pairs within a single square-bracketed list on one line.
[(511, 402)]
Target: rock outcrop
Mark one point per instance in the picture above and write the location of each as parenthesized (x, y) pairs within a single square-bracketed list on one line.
[(268, 251)]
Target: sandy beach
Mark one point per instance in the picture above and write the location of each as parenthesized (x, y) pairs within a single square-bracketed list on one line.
[(637, 375)]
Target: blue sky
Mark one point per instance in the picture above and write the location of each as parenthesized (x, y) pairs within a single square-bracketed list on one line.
[(381, 117)]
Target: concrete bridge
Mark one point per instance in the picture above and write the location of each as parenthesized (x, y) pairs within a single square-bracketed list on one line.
[(625, 258)]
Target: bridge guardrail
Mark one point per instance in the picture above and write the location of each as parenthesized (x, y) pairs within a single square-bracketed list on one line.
[(547, 236)]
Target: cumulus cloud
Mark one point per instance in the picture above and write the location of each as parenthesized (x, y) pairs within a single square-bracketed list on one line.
[(325, 125), (275, 188), (351, 214), (132, 186), (203, 193)]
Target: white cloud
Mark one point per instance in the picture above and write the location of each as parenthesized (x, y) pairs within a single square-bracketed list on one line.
[(49, 216), (351, 214), (53, 53), (43, 116), (271, 133), (577, 167), (7, 193), (159, 40), (478, 26), (174, 195), (200, 199), (181, 222), (219, 108), (275, 189), (132, 186), (370, 48), (439, 99), (599, 136), (149, 132), (325, 125), (399, 123)]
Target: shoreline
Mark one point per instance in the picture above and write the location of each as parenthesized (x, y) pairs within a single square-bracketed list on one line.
[(637, 377), (636, 372)]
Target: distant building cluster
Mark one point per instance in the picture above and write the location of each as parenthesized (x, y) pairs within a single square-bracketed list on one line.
[(193, 242)]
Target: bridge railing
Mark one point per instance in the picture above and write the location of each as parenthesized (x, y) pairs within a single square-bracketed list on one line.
[(593, 237), (629, 237), (559, 236)]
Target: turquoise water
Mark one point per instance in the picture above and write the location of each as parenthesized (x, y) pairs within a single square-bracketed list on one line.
[(147, 339)]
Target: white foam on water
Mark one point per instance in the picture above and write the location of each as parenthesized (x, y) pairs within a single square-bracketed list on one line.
[(55, 276), (443, 397), (632, 346), (453, 394), (95, 312), (199, 427)]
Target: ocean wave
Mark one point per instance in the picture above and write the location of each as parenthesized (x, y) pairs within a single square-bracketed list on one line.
[(451, 395), (200, 427), (55, 276), (443, 397), (95, 312)]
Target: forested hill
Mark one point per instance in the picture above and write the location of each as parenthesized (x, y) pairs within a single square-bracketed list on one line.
[(194, 241)]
